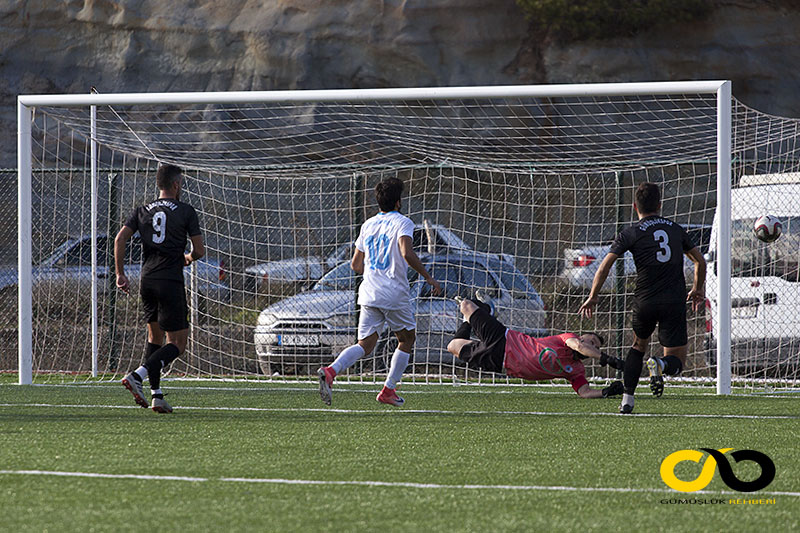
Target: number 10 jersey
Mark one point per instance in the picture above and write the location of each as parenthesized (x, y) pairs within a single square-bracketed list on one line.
[(385, 282), (657, 245), (163, 226)]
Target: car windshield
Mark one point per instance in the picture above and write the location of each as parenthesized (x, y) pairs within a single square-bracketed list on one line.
[(460, 277), (753, 258), (341, 278)]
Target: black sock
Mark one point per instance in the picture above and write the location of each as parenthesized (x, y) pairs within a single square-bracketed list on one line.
[(158, 360), (672, 365), (464, 331), (150, 349), (632, 370)]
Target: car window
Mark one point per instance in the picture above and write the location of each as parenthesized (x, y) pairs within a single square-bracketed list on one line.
[(448, 277), (700, 237), (341, 278), (515, 281), (476, 276), (753, 258)]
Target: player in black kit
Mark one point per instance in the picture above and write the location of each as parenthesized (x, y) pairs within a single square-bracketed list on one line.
[(163, 226), (657, 245)]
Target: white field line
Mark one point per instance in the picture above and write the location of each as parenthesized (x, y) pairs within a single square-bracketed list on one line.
[(408, 411), (348, 387), (392, 484)]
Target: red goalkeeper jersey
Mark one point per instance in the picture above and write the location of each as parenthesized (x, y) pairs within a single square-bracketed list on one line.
[(545, 358)]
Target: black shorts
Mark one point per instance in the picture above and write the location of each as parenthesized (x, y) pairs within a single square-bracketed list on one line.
[(671, 320), (164, 301), (489, 352)]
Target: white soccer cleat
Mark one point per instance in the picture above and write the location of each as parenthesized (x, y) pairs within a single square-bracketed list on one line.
[(160, 405), (135, 386), (325, 384), (656, 378)]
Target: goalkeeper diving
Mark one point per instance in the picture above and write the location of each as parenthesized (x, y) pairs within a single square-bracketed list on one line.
[(500, 349)]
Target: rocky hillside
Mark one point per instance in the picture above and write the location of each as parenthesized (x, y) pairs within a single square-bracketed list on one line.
[(152, 45)]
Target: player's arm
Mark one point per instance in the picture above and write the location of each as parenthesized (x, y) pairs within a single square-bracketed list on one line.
[(357, 262), (198, 250), (588, 350), (615, 389), (698, 293), (408, 253), (120, 241), (597, 283)]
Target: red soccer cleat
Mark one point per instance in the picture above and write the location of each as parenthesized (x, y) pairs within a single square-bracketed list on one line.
[(390, 397)]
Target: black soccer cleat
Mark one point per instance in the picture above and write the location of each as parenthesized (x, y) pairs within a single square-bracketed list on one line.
[(626, 408), (656, 378)]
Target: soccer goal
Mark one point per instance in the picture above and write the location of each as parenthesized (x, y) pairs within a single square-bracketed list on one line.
[(514, 190)]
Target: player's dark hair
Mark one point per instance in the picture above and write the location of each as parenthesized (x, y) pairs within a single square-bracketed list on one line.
[(599, 337), (167, 175), (648, 197), (388, 193)]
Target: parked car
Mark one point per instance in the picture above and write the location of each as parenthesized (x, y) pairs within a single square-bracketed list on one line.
[(71, 262), (765, 278), (314, 326), (581, 264), (312, 267)]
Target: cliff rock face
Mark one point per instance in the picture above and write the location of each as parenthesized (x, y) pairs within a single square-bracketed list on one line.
[(152, 45)]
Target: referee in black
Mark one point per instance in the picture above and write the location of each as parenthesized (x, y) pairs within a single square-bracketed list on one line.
[(657, 245), (163, 226)]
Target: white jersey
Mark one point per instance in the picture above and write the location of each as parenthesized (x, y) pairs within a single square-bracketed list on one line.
[(385, 282)]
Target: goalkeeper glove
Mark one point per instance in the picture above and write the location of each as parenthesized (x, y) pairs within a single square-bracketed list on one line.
[(615, 389), (613, 362)]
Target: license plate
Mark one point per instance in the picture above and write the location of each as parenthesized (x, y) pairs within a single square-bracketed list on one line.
[(744, 312), (298, 340)]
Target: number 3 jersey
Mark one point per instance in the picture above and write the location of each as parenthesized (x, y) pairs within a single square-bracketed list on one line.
[(385, 282), (657, 245), (163, 226)]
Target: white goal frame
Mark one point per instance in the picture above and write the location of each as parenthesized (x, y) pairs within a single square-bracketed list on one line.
[(26, 104)]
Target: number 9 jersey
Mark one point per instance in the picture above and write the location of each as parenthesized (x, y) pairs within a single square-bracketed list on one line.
[(163, 226), (385, 282), (657, 245)]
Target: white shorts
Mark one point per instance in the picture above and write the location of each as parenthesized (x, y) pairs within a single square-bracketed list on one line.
[(372, 320)]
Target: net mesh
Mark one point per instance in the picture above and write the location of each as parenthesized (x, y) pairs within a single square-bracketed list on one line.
[(517, 197)]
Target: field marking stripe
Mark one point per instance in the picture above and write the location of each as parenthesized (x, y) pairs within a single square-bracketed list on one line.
[(410, 411), (394, 484)]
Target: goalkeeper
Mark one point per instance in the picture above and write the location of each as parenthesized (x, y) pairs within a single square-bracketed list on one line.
[(521, 356)]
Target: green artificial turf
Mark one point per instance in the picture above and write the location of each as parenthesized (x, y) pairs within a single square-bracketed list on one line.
[(533, 451)]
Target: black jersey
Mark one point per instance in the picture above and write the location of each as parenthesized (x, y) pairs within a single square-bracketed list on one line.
[(163, 226), (657, 245)]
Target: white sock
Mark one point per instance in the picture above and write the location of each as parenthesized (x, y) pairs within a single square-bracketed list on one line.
[(141, 372), (347, 358), (155, 391), (627, 399), (398, 366)]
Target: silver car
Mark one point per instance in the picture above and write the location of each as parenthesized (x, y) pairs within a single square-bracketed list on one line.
[(312, 327)]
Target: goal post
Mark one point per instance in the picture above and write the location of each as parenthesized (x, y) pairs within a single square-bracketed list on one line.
[(630, 103)]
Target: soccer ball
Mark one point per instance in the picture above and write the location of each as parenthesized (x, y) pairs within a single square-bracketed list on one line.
[(767, 228)]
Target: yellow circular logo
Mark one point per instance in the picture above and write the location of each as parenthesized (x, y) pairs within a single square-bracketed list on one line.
[(706, 474)]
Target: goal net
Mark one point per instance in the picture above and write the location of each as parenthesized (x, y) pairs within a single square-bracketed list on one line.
[(515, 191)]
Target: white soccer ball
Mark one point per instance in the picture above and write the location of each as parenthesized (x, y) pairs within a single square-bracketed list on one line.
[(767, 228)]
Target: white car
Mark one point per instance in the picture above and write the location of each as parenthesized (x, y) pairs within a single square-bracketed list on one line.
[(313, 267), (765, 278), (581, 264)]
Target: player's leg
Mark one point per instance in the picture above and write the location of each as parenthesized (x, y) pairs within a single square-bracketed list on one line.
[(173, 320), (155, 337), (673, 337), (644, 323), (404, 325), (370, 322), (488, 352), (400, 358)]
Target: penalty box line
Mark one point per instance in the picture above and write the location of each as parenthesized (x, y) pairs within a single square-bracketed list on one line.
[(389, 484), (408, 411)]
